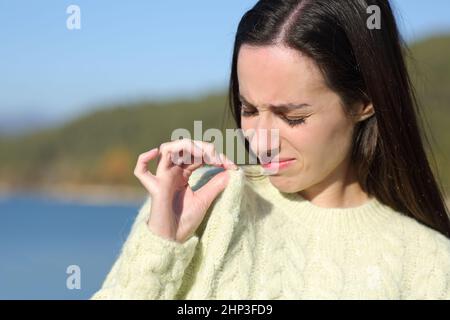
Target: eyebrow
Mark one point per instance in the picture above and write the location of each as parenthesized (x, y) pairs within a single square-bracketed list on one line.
[(283, 107)]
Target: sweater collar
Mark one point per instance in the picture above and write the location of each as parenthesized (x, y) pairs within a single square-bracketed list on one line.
[(372, 214)]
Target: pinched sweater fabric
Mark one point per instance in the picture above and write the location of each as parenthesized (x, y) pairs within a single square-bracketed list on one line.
[(256, 242)]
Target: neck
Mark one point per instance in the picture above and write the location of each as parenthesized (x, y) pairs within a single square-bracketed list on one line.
[(325, 220), (340, 189)]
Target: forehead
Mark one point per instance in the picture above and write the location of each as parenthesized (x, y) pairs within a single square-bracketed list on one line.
[(274, 74)]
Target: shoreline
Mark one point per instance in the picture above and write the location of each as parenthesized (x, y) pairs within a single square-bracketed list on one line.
[(91, 194), (87, 194)]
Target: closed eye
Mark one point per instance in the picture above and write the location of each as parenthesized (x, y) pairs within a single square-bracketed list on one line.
[(251, 112), (247, 111)]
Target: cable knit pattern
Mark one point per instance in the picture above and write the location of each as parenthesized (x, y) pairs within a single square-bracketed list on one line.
[(149, 267), (259, 243)]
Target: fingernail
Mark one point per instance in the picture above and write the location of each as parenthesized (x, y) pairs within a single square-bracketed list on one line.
[(233, 165), (218, 159)]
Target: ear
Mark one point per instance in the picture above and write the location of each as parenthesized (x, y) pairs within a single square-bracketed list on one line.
[(364, 112)]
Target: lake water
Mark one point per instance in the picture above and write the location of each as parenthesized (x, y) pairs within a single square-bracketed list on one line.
[(40, 238)]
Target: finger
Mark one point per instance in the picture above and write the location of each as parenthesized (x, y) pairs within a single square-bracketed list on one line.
[(183, 153), (170, 154), (230, 164), (215, 158), (208, 192), (141, 171), (191, 154), (208, 154), (143, 159)]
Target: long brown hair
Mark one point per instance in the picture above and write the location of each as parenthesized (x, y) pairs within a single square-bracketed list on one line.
[(362, 65)]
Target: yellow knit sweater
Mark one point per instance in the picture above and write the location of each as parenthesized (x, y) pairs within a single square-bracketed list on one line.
[(259, 243)]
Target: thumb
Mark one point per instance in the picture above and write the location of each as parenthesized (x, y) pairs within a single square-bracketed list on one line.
[(207, 193)]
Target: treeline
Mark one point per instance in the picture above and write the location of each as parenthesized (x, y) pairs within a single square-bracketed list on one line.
[(102, 147)]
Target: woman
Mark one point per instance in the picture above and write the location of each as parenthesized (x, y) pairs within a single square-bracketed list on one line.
[(351, 211)]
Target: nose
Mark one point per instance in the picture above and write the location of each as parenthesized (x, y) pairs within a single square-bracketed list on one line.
[(265, 139)]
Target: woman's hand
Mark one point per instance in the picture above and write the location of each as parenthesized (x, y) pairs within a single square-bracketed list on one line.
[(176, 210)]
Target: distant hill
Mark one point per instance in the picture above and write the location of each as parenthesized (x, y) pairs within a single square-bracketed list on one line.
[(101, 147), (430, 70)]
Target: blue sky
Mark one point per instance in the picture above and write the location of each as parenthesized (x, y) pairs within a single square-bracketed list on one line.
[(128, 51)]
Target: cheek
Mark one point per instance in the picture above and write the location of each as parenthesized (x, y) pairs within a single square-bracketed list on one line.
[(330, 142), (247, 126), (246, 123), (321, 144), (249, 123)]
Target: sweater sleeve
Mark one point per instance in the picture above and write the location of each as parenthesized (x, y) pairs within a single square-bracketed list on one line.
[(148, 267), (151, 267), (428, 275)]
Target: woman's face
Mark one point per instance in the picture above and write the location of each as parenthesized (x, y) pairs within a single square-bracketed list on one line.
[(273, 78)]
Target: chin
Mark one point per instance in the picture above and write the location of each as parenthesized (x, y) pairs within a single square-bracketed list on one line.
[(283, 184)]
